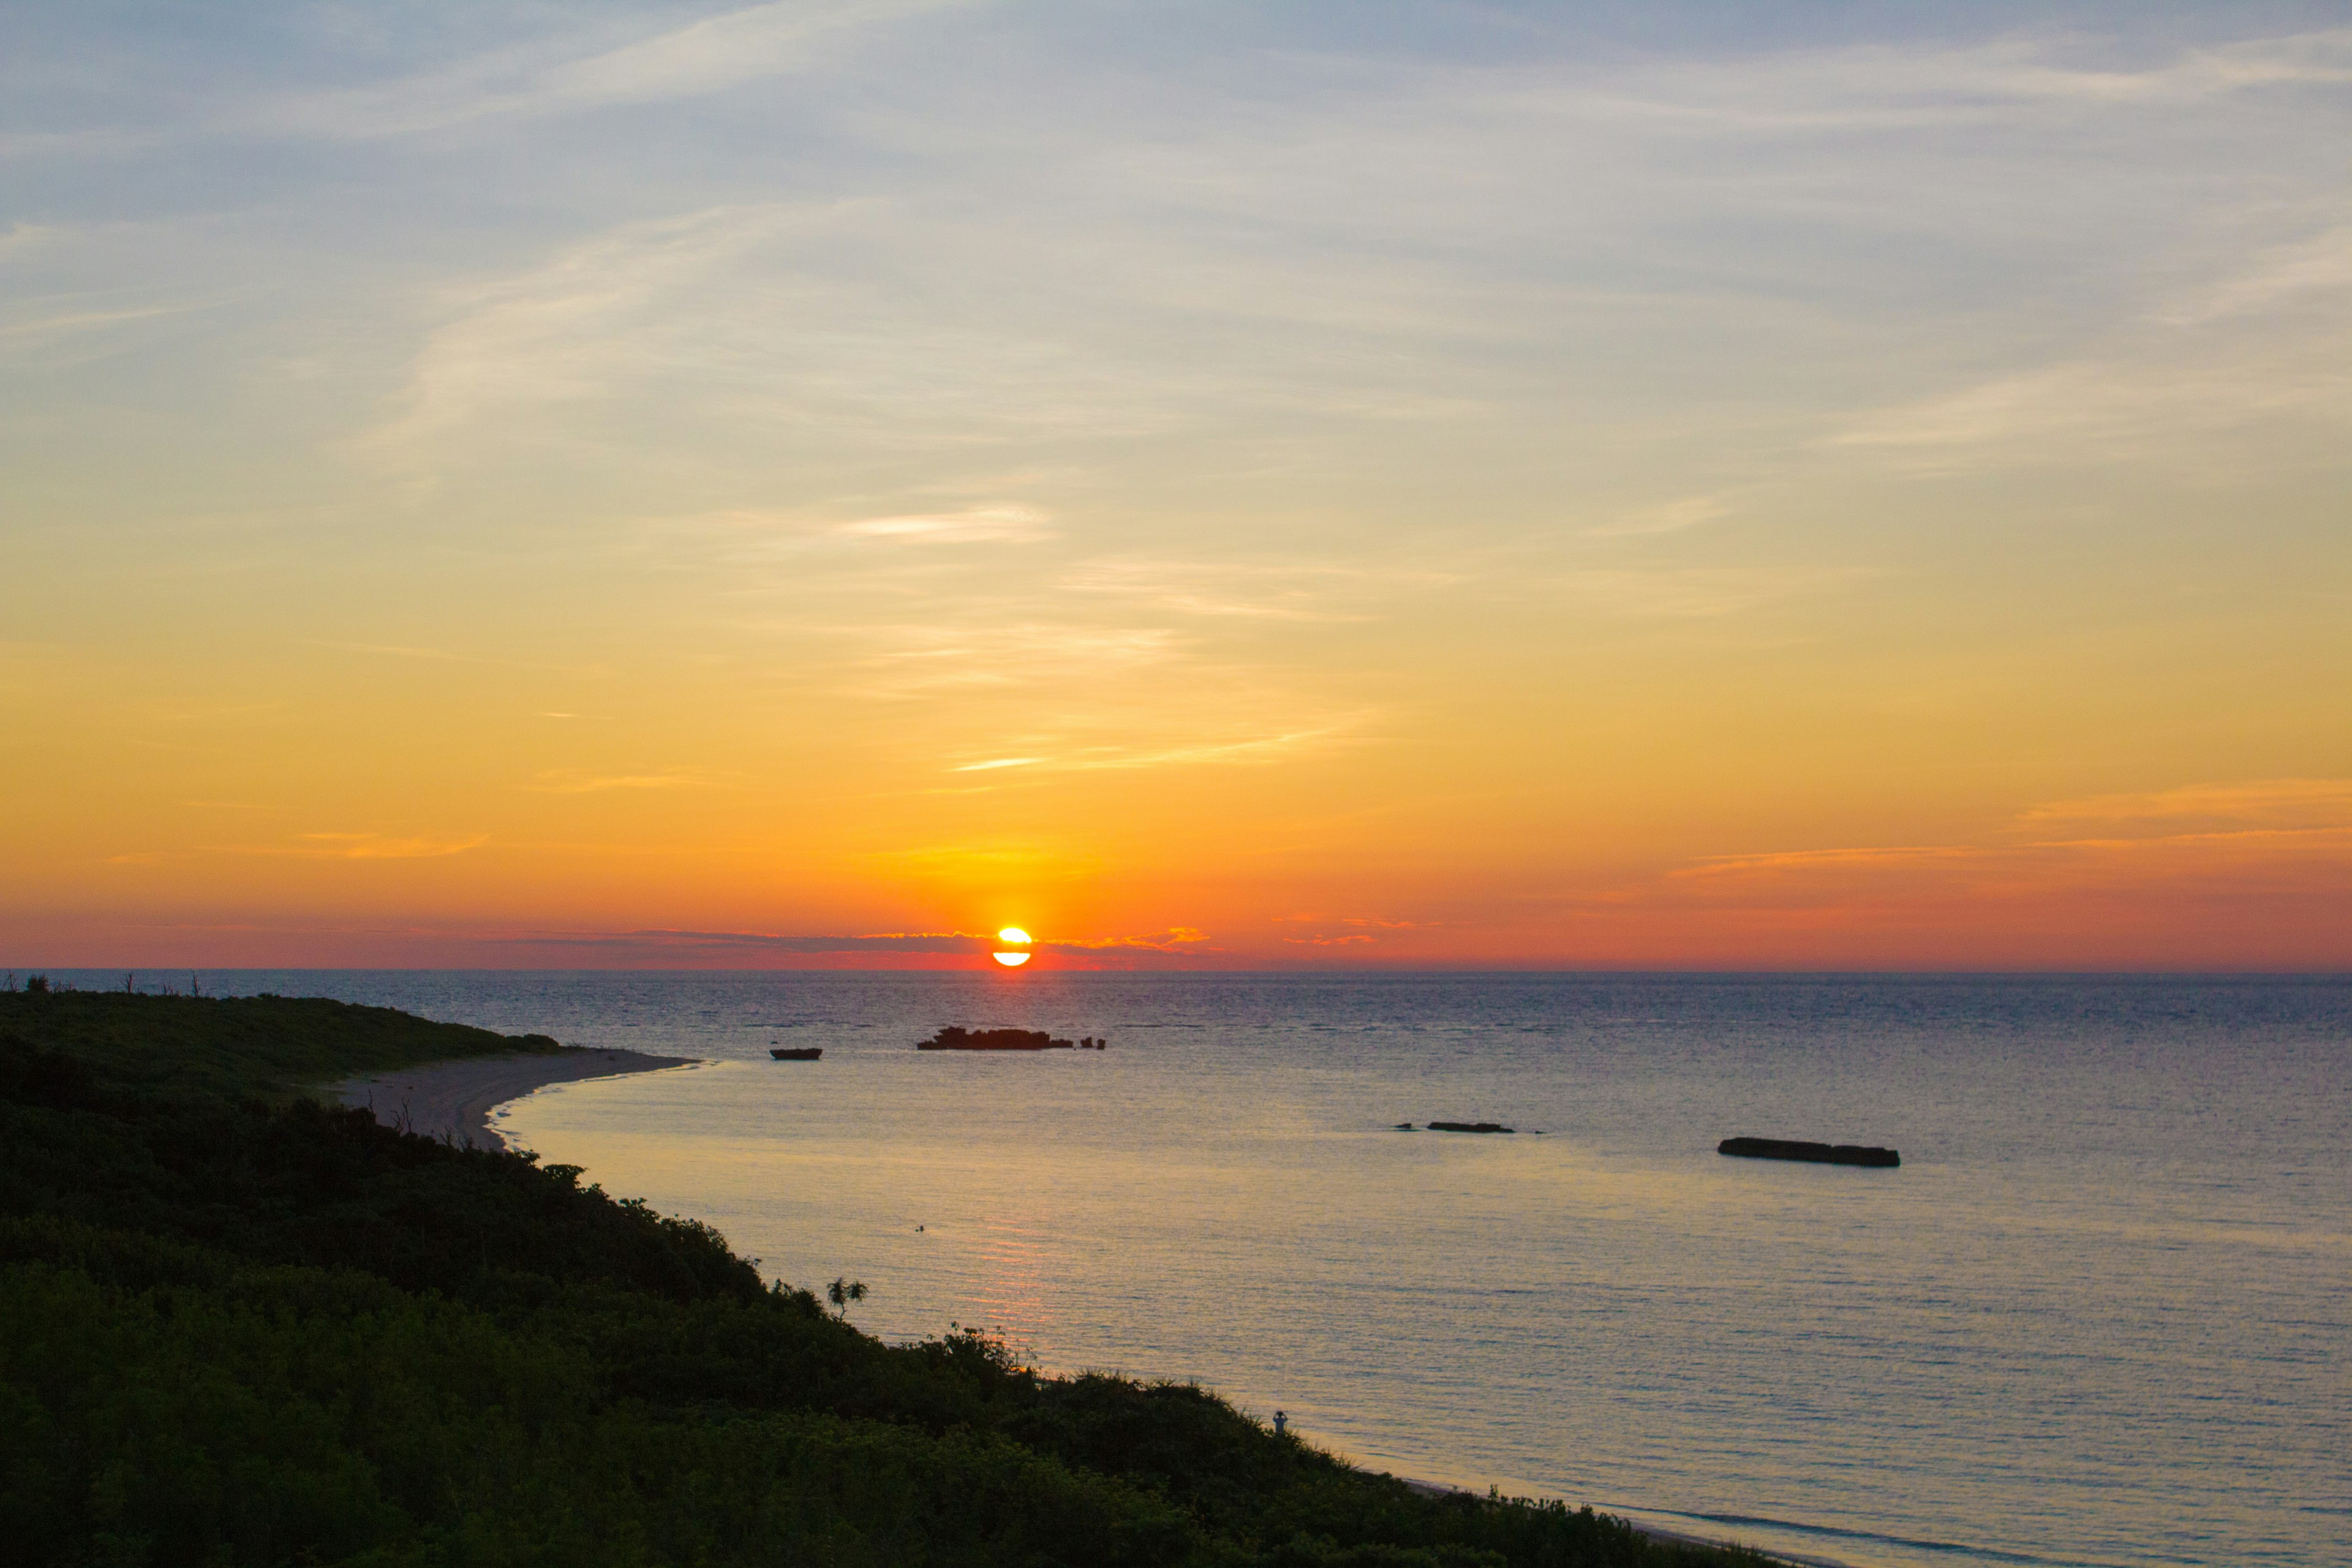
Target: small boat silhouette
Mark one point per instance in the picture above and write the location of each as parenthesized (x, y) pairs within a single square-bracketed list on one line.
[(797, 1053)]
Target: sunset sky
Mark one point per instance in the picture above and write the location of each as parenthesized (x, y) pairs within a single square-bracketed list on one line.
[(1216, 485)]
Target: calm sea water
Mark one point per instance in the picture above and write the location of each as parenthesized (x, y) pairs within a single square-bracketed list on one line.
[(2100, 1315)]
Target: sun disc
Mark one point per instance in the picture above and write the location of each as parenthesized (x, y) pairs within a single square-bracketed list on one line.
[(1011, 960), (1012, 935)]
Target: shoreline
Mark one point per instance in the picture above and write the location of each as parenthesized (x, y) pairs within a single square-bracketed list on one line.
[(1659, 1533), (457, 1100)]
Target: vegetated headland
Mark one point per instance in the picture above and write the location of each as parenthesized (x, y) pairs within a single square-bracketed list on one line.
[(239, 1325)]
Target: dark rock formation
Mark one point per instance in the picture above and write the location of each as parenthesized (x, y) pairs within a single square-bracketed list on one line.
[(956, 1037), (1820, 1154)]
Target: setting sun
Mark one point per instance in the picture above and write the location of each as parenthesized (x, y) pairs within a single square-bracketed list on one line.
[(1012, 934)]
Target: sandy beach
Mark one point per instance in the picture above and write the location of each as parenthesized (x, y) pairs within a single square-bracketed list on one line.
[(456, 1100)]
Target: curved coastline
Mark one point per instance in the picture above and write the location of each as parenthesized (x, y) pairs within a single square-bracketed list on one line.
[(178, 1144), (457, 1100)]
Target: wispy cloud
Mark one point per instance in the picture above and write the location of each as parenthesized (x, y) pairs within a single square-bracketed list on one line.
[(734, 321), (1871, 858), (976, 525), (924, 658), (2114, 407), (2261, 803), (1353, 920), (1249, 749), (1670, 517), (1355, 930), (60, 322), (1234, 272), (1701, 593), (1898, 86), (2270, 341), (566, 333), (364, 847), (2274, 832), (1252, 590), (576, 781), (2321, 59), (1229, 750), (2287, 274), (754, 43), (1176, 941), (434, 654)]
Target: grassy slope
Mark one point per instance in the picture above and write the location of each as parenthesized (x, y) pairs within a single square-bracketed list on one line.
[(236, 1326), (252, 1048)]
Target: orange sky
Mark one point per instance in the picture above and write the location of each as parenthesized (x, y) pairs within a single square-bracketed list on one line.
[(734, 489)]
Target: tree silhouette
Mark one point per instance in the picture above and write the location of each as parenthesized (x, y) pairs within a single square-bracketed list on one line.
[(842, 1292)]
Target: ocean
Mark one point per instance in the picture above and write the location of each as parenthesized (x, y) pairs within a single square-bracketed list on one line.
[(2100, 1315)]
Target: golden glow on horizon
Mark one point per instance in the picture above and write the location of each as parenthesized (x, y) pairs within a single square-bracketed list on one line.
[(604, 584)]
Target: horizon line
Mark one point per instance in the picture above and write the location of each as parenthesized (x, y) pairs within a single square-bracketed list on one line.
[(2240, 972)]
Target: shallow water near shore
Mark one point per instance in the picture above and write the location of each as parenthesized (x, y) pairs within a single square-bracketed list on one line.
[(2099, 1315)]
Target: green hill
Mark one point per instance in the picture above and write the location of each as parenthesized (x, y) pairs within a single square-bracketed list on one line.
[(239, 1327)]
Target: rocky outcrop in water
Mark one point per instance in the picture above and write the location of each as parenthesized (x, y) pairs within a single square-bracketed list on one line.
[(956, 1037), (1818, 1154)]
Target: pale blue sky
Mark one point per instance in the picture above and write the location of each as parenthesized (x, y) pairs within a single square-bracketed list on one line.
[(1706, 238)]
